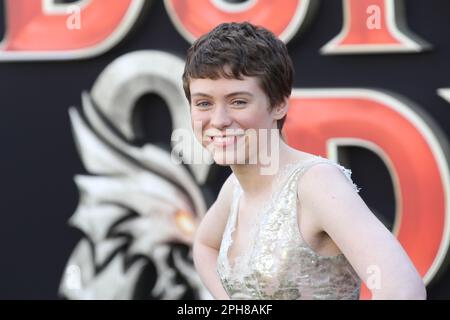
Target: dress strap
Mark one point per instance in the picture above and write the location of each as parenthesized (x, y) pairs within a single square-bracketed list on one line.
[(302, 167)]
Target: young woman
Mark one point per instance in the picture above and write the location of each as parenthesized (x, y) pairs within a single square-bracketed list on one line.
[(300, 232)]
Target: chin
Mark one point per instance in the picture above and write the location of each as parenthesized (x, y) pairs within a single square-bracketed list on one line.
[(223, 159)]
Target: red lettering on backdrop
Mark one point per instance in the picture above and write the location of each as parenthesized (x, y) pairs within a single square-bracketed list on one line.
[(34, 34), (372, 26), (196, 17), (409, 147)]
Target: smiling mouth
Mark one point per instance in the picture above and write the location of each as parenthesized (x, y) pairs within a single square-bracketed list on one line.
[(223, 141)]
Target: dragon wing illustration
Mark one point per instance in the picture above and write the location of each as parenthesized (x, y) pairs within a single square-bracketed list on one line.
[(138, 208)]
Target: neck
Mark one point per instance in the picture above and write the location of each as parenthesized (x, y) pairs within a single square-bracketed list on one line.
[(252, 179)]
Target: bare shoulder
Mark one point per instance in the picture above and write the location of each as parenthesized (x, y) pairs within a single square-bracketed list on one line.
[(336, 208), (227, 190), (323, 175), (221, 206), (323, 186), (211, 227)]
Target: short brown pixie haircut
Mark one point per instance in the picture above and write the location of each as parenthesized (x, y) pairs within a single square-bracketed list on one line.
[(232, 50)]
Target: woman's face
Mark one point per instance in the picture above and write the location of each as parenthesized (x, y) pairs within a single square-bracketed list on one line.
[(228, 117)]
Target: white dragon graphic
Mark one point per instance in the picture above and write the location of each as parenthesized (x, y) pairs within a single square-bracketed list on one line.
[(138, 209)]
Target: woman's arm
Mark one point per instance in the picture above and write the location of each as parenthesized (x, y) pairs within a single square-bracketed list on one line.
[(205, 262), (328, 198), (207, 241)]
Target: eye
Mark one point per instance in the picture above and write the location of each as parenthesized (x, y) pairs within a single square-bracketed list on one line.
[(202, 104), (239, 102)]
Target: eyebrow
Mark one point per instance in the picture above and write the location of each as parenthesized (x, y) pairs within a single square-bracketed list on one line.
[(200, 94)]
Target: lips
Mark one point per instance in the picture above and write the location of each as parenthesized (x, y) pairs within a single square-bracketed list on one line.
[(223, 141)]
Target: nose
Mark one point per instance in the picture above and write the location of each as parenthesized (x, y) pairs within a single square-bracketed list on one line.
[(220, 117)]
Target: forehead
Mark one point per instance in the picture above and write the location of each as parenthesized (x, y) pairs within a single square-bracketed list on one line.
[(223, 86)]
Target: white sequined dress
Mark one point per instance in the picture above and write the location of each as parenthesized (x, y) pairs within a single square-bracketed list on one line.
[(280, 264)]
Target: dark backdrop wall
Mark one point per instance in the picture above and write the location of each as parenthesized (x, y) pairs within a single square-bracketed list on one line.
[(38, 157)]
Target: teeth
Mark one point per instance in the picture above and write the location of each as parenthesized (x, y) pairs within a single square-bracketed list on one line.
[(223, 139)]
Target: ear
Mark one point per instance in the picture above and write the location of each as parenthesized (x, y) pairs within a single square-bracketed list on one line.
[(280, 110)]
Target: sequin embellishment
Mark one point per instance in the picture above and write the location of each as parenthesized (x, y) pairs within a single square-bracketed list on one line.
[(279, 264)]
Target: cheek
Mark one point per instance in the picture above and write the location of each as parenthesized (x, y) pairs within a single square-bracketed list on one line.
[(198, 122), (199, 118), (254, 119)]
